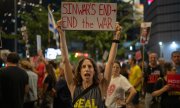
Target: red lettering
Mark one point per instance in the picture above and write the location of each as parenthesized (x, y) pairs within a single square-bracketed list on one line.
[(66, 7), (105, 9), (106, 22), (93, 10), (87, 24), (101, 12), (83, 9), (69, 22)]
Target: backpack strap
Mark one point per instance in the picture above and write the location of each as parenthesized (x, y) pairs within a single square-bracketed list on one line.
[(83, 93)]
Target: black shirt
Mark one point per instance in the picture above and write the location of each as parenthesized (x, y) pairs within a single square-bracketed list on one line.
[(167, 100), (151, 74), (12, 87), (63, 97)]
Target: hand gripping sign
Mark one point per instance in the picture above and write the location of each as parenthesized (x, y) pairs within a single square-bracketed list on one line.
[(88, 16)]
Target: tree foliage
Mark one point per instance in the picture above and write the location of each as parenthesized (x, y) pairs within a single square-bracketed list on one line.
[(93, 41)]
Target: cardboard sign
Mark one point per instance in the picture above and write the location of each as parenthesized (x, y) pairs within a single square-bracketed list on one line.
[(174, 81), (88, 16), (145, 32)]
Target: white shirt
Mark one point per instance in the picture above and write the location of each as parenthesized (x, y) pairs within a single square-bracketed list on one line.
[(116, 89)]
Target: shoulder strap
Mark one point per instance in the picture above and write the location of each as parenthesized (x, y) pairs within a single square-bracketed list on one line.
[(83, 93)]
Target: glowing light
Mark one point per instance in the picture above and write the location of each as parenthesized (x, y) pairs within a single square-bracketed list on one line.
[(160, 43), (76, 55), (150, 1), (174, 45), (130, 48)]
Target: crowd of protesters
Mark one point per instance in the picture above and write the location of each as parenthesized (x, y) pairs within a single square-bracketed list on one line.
[(38, 83)]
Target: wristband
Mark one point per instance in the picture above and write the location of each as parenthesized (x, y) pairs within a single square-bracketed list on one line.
[(115, 41)]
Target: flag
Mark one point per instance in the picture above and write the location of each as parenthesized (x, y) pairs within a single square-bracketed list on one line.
[(52, 26)]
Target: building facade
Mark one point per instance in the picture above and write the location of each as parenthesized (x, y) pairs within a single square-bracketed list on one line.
[(165, 30)]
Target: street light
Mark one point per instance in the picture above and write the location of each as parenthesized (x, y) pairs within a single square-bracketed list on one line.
[(174, 45)]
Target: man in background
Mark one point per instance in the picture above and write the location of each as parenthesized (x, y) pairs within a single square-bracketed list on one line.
[(13, 83), (175, 56)]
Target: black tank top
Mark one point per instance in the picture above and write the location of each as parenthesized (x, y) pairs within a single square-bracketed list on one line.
[(92, 99)]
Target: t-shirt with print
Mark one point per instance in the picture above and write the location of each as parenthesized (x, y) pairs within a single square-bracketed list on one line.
[(92, 99), (116, 89), (151, 75)]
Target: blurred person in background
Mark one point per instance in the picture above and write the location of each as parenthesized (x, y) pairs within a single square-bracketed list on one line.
[(13, 83), (162, 90), (62, 98), (135, 78), (175, 56), (151, 74), (117, 88), (48, 92), (31, 96), (124, 71)]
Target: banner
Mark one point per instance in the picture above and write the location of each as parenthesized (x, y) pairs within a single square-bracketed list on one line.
[(145, 32), (88, 16)]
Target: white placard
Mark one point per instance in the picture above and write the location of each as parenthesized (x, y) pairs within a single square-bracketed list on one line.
[(38, 40), (88, 16), (145, 32)]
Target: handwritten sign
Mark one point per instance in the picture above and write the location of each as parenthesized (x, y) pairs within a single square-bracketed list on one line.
[(174, 81), (88, 16)]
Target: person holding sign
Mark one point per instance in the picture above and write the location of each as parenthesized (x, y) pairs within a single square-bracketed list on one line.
[(151, 74), (162, 89), (86, 90)]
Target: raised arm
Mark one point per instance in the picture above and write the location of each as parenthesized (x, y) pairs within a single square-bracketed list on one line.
[(67, 66), (112, 54)]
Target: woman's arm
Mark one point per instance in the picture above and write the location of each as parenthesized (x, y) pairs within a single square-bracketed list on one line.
[(161, 91), (132, 93), (112, 54), (67, 66)]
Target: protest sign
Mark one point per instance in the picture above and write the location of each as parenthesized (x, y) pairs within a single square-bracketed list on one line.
[(174, 82), (88, 16), (145, 32), (138, 55)]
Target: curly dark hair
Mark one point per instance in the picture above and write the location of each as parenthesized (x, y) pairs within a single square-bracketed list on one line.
[(78, 79)]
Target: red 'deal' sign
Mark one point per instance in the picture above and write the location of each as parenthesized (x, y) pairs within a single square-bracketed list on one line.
[(88, 16), (174, 81)]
